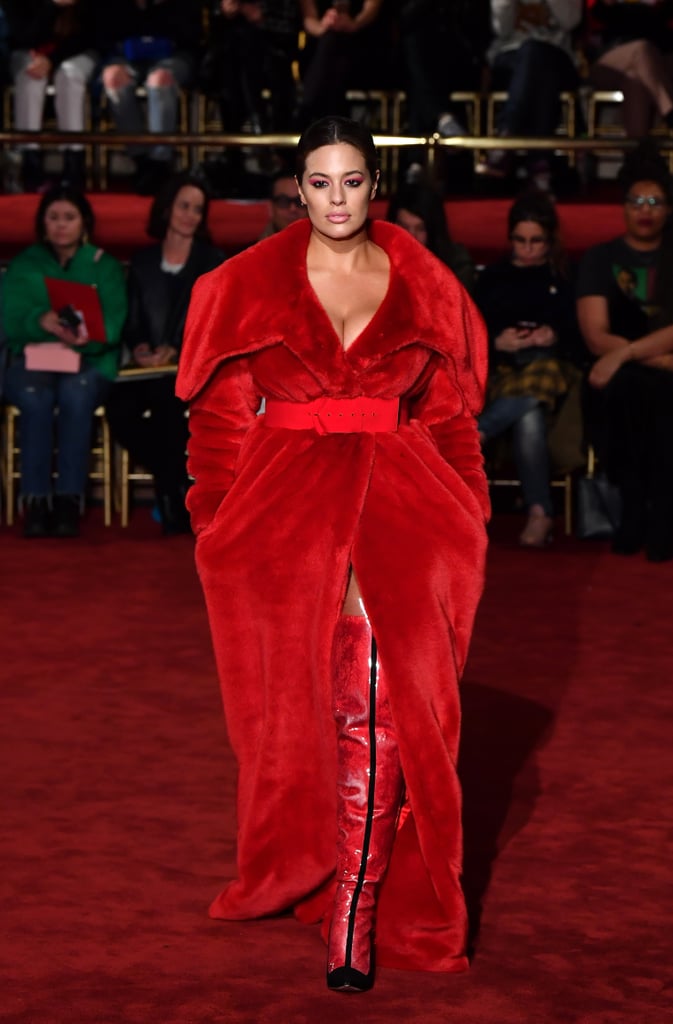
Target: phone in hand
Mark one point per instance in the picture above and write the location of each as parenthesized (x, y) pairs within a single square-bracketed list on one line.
[(70, 318)]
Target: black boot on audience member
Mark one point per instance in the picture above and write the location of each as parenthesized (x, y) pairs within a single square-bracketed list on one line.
[(173, 513), (659, 543), (74, 168), (36, 517), (151, 174), (66, 515), (32, 170), (629, 537)]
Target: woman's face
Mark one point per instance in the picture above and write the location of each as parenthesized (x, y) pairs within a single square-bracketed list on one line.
[(63, 225), (413, 224), (187, 211), (646, 210), (337, 188), (530, 244)]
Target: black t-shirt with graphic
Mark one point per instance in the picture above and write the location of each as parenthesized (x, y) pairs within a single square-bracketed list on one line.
[(626, 278)]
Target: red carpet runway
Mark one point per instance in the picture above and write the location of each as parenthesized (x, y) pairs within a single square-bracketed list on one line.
[(117, 824)]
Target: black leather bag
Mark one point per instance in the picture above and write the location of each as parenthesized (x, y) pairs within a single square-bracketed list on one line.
[(598, 509)]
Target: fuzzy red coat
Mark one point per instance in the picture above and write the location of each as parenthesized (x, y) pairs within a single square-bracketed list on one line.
[(281, 515)]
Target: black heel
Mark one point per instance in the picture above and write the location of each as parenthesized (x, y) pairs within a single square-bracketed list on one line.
[(347, 979)]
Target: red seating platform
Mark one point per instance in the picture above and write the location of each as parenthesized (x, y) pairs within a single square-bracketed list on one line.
[(480, 224)]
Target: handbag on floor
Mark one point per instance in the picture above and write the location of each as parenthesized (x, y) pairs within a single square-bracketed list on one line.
[(598, 511)]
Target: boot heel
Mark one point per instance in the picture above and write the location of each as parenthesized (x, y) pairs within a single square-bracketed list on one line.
[(347, 979)]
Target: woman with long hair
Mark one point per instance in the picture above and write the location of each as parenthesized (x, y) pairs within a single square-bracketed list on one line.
[(340, 544), (145, 416), (418, 208), (528, 303)]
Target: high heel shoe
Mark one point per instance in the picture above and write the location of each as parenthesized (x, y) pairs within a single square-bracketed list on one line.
[(369, 795), (537, 532)]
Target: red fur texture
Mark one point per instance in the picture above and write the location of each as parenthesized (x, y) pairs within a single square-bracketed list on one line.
[(281, 515)]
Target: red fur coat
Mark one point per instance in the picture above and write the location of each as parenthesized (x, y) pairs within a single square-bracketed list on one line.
[(281, 514)]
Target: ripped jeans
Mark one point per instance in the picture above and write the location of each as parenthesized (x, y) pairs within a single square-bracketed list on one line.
[(37, 394)]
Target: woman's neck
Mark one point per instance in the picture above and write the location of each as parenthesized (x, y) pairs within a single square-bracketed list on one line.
[(176, 247), (64, 253), (343, 254)]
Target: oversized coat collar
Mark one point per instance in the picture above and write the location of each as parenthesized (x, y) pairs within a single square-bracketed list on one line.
[(263, 297)]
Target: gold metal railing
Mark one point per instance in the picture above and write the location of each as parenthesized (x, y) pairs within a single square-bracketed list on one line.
[(98, 144)]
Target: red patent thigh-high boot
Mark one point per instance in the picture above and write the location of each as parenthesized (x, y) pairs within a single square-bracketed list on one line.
[(369, 792)]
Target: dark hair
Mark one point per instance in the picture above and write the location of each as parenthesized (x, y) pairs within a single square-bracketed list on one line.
[(645, 163), (67, 194), (425, 202), (279, 176), (160, 211), (539, 208), (330, 130)]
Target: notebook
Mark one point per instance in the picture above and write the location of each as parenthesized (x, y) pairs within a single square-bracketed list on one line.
[(84, 299)]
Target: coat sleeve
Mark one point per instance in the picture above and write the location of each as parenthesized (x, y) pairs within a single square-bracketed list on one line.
[(452, 397), (223, 401), (219, 418)]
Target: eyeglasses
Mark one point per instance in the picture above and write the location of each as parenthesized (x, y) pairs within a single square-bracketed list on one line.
[(638, 202), (535, 240), (284, 202)]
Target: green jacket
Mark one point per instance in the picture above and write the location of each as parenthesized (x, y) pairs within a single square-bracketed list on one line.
[(25, 299)]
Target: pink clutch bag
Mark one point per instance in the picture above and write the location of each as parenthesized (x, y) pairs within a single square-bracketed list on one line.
[(53, 356)]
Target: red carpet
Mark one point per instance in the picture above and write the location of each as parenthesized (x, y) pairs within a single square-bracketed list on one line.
[(118, 784), (481, 224)]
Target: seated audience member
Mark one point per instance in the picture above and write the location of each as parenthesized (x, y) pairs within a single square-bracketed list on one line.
[(153, 45), (54, 363), (419, 209), (52, 43), (441, 42), (528, 303), (632, 41), (625, 310), (532, 59), (285, 206), (338, 34), (250, 47), (145, 416)]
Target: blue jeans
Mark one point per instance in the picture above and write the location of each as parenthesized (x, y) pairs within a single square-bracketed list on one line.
[(526, 418), (533, 76), (37, 394), (162, 103)]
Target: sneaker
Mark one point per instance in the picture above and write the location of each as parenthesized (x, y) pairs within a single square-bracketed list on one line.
[(540, 176), (448, 126), (414, 174), (497, 164)]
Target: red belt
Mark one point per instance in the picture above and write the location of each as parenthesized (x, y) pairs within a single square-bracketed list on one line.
[(335, 415)]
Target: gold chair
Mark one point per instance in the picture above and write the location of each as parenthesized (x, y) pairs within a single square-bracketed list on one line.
[(567, 126), (10, 458), (125, 475)]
